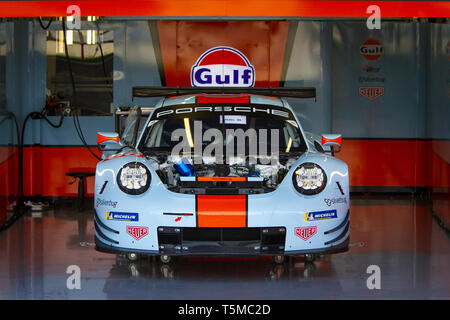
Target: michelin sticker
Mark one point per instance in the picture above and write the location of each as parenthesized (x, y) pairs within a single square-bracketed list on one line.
[(320, 215), (122, 216)]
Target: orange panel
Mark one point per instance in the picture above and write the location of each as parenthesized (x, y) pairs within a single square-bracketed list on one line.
[(396, 163), (221, 211), (183, 42), (221, 179), (382, 162)]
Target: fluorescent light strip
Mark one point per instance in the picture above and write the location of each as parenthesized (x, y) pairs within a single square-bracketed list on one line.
[(187, 127), (289, 145)]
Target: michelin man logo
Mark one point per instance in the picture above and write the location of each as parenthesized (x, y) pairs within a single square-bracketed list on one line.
[(222, 66)]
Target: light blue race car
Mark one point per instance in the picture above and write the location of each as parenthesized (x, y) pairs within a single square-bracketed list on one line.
[(220, 172)]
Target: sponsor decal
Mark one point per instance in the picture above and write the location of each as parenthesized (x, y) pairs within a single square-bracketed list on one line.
[(320, 215), (177, 219), (183, 112), (108, 203), (368, 68), (122, 216), (371, 93), (234, 119), (305, 233), (222, 66), (371, 49), (137, 232), (371, 79), (331, 201)]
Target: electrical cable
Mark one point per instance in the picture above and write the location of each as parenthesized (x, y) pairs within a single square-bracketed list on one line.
[(103, 59), (19, 209), (61, 119), (76, 120), (42, 25)]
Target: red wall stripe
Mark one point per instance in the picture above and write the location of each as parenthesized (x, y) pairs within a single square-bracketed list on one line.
[(380, 163), (402, 163), (225, 8), (45, 169)]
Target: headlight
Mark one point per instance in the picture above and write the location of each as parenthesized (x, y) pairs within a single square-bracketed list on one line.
[(134, 178), (309, 178)]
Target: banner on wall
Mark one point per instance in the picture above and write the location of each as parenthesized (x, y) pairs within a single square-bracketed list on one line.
[(222, 66), (371, 50), (221, 53)]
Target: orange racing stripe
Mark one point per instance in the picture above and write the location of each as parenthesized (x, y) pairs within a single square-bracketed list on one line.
[(209, 179), (221, 211)]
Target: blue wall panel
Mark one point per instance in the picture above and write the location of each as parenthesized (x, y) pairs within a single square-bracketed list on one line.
[(397, 113)]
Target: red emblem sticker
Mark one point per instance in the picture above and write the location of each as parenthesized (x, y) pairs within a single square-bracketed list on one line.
[(137, 232), (305, 232), (371, 49), (371, 93)]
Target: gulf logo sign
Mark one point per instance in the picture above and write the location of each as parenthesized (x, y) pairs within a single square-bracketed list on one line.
[(371, 49), (222, 66)]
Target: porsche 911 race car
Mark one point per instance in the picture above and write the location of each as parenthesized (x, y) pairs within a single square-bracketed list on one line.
[(217, 171)]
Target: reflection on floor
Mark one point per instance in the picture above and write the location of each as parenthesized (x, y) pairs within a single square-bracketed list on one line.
[(398, 234)]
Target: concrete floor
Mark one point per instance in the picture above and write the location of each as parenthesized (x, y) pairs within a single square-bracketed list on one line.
[(397, 234)]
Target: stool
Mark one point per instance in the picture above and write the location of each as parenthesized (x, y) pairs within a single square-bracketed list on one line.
[(81, 174)]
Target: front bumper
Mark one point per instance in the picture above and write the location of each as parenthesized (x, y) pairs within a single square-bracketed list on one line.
[(194, 241)]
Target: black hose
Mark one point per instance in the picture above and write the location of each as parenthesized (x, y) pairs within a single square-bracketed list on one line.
[(19, 209), (76, 120), (103, 61), (61, 120), (69, 64), (42, 25)]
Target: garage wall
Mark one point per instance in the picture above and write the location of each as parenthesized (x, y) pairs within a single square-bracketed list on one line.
[(8, 136), (398, 139), (437, 119), (383, 147)]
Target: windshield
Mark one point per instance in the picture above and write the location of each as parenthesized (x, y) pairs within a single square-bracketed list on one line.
[(240, 130)]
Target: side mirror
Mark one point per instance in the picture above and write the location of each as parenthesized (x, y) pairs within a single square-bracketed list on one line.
[(332, 140), (108, 141), (130, 132)]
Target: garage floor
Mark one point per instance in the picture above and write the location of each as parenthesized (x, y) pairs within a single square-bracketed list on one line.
[(398, 234)]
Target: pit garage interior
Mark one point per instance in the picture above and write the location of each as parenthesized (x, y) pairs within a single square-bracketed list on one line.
[(392, 107)]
